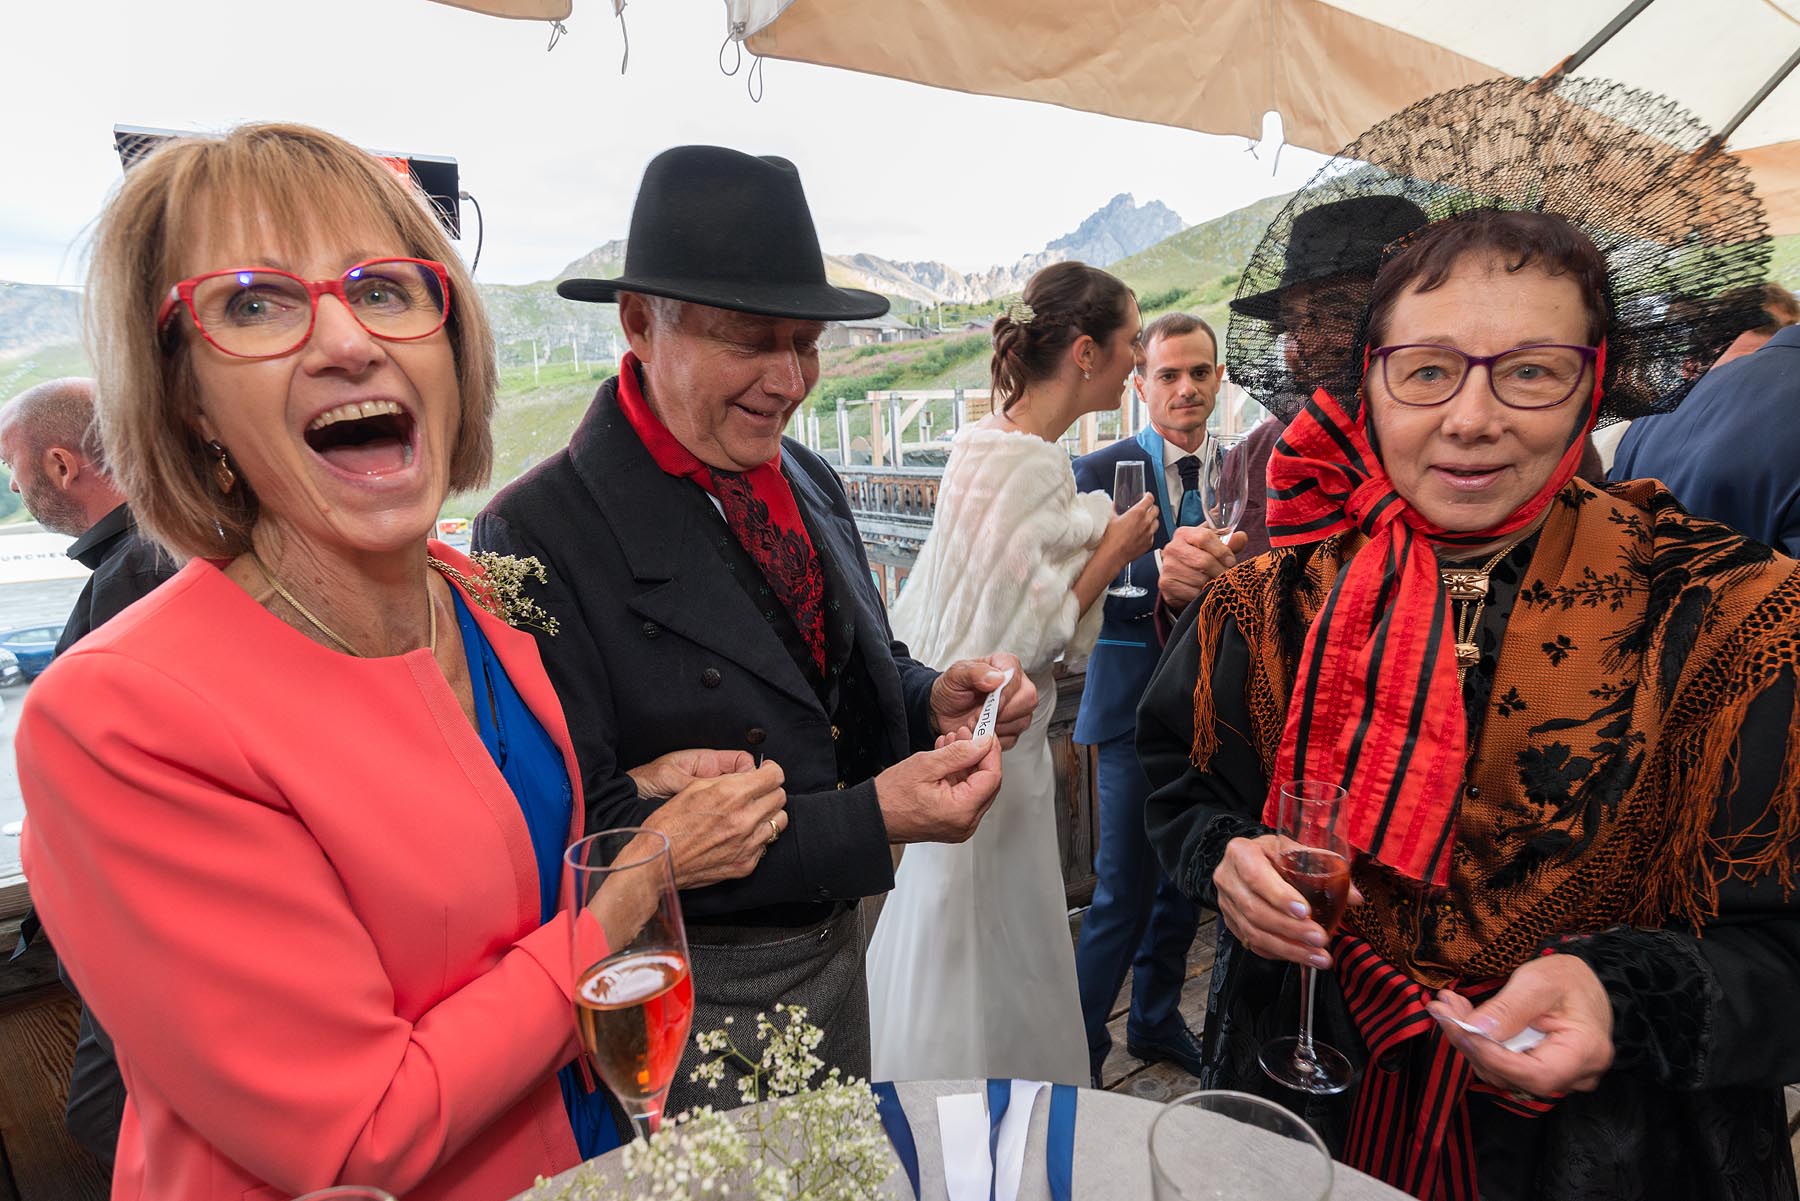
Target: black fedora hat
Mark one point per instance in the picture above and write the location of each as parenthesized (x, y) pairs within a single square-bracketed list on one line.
[(730, 230), (1342, 238)]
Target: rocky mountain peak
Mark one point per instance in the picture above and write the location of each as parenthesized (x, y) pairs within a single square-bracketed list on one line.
[(1117, 230)]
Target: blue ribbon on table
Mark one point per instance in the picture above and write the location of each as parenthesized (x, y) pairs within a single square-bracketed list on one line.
[(1059, 1150), (899, 1130)]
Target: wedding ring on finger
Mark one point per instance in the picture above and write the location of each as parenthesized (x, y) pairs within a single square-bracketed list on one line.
[(774, 832)]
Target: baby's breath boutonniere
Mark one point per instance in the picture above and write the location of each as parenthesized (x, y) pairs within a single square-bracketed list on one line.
[(499, 587)]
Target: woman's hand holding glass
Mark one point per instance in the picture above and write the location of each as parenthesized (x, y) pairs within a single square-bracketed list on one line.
[(1262, 910), (1557, 994), (1130, 534)]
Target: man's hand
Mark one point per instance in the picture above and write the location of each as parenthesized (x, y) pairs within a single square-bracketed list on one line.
[(957, 696), (940, 795), (1557, 994), (1194, 556), (668, 774), (719, 828)]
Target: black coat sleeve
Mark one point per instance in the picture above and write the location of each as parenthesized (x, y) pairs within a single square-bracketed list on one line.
[(1191, 813), (1717, 1010)]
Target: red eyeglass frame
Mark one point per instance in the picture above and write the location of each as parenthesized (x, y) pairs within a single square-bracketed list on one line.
[(182, 295)]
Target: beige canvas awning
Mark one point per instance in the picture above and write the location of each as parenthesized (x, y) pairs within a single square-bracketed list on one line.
[(1331, 68)]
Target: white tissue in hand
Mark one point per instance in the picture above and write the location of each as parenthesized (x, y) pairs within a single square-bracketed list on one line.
[(1521, 1042)]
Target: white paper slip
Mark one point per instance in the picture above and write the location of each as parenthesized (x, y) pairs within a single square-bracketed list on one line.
[(1009, 1151), (990, 708), (963, 1135), (1523, 1041), (13, 829)]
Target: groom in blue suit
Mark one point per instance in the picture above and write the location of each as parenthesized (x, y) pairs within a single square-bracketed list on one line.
[(1139, 919)]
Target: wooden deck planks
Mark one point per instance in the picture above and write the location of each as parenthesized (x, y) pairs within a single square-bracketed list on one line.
[(42, 1162)]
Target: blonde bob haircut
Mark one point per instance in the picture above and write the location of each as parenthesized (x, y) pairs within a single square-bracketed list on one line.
[(305, 184)]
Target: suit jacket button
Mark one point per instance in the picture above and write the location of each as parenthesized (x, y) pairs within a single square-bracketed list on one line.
[(710, 677), (840, 786), (836, 733), (755, 735), (651, 629)]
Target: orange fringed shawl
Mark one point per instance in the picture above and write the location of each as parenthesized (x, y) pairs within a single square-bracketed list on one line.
[(1639, 639)]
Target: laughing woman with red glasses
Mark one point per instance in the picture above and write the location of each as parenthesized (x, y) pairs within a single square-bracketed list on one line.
[(295, 821)]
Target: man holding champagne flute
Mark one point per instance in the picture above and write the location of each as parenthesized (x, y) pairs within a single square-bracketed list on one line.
[(1138, 917)]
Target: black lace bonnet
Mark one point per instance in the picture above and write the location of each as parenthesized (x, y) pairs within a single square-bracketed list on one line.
[(1679, 225)]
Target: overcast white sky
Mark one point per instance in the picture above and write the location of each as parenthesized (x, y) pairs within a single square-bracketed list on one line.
[(552, 144)]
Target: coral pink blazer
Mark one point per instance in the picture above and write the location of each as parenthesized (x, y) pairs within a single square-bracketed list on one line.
[(296, 891)]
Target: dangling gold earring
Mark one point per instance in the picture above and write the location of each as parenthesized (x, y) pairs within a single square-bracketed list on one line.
[(223, 476)]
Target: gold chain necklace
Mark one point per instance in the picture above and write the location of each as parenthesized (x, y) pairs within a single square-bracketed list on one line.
[(1469, 593), (302, 610)]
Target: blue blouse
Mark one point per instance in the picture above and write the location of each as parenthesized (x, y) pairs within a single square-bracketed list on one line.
[(532, 765)]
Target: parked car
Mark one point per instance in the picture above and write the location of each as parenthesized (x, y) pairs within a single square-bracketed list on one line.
[(10, 673), (32, 645)]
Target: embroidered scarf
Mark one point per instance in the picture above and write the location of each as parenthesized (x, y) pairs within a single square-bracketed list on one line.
[(759, 508), (1376, 705)]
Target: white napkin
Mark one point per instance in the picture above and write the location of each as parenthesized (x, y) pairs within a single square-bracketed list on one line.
[(963, 1125)]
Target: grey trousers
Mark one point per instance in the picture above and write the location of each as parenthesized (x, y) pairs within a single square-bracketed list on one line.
[(743, 971)]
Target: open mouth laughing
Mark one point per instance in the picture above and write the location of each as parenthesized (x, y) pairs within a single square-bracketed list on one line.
[(364, 438)]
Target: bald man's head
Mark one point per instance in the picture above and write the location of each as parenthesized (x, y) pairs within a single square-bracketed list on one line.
[(49, 443)]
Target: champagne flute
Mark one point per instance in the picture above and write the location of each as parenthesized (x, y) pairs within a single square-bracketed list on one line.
[(1224, 488), (1128, 489), (1313, 856), (634, 992)]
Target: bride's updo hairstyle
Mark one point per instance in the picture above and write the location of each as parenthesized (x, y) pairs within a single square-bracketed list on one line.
[(1061, 303)]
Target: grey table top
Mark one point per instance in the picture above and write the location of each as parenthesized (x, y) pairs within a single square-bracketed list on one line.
[(1112, 1157)]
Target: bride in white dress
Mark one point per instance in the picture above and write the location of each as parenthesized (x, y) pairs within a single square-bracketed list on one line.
[(972, 969)]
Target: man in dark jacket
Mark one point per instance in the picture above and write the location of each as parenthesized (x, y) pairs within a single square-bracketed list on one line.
[(1140, 920), (712, 590), (1732, 450), (48, 443)]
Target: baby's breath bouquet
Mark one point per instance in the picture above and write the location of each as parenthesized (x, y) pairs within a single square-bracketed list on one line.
[(820, 1143)]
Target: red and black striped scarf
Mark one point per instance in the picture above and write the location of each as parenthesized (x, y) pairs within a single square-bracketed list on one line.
[(1409, 1124), (1376, 705), (759, 508)]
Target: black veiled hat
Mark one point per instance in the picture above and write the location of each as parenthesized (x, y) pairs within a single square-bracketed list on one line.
[(1676, 220), (1346, 237)]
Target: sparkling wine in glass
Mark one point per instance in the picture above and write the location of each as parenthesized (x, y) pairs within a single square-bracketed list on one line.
[(634, 992), (1128, 489), (1224, 488), (1314, 857)]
